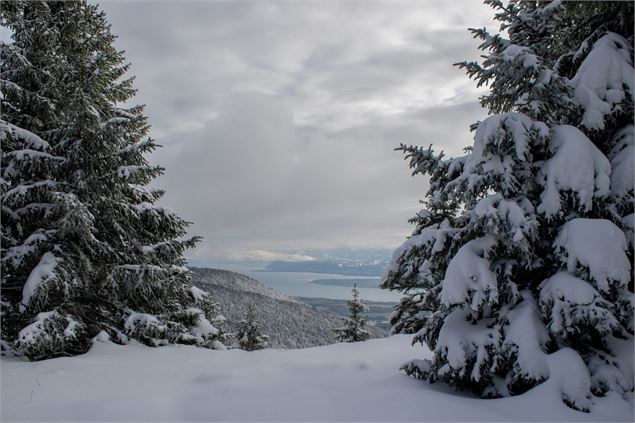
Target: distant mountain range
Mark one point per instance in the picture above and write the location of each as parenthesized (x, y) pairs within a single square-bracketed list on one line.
[(333, 267), (361, 283), (290, 323)]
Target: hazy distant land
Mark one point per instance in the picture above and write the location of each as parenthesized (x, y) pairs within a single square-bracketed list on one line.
[(333, 267), (361, 283)]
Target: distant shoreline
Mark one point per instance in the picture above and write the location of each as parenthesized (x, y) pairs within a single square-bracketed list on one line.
[(375, 270), (361, 283)]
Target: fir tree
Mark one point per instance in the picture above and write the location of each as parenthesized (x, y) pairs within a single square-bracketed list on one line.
[(84, 246), (249, 335), (354, 325), (522, 253)]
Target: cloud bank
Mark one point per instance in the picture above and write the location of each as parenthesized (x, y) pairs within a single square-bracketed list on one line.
[(279, 120)]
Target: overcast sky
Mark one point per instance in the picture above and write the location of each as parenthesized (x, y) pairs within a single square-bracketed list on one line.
[(279, 120)]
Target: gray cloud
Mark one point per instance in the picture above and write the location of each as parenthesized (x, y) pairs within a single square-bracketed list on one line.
[(279, 120)]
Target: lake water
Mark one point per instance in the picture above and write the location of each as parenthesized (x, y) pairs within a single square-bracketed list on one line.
[(298, 284)]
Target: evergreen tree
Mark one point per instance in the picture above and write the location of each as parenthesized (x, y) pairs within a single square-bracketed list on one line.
[(520, 261), (84, 246), (249, 335), (354, 325)]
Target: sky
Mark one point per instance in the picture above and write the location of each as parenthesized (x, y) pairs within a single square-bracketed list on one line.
[(279, 120)]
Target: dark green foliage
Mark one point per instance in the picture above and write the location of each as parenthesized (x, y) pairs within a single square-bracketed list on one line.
[(83, 241), (249, 334), (354, 329)]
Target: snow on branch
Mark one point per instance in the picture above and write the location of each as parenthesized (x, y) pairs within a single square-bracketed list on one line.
[(24, 188), (597, 245), (604, 79), (571, 302), (622, 166), (469, 275), (33, 141), (578, 166), (42, 273)]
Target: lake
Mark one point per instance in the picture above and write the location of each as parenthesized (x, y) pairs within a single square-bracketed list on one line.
[(298, 284)]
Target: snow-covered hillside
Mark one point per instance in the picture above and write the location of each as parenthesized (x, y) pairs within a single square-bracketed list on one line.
[(288, 322), (234, 281), (341, 382)]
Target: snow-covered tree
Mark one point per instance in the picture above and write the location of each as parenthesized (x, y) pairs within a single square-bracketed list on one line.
[(85, 248), (523, 251), (249, 334), (355, 324)]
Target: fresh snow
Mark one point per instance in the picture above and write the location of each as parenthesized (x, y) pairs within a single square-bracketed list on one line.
[(578, 166), (572, 299), (459, 339), (527, 335), (493, 127), (44, 271), (31, 140), (604, 79), (469, 272), (436, 237), (599, 246), (23, 188), (342, 382), (622, 166)]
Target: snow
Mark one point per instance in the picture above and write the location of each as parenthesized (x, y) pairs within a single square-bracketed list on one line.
[(566, 287), (141, 268), (604, 79), (515, 53), (29, 246), (203, 328), (130, 170), (461, 340), (621, 156), (494, 127), (469, 273), (435, 237), (36, 207), (571, 377), (613, 373), (528, 336), (623, 350), (69, 331), (43, 272), (491, 156), (577, 165), (118, 120), (134, 148), (30, 154), (31, 332), (140, 319), (629, 224), (146, 207), (500, 210), (342, 382), (198, 294), (23, 188), (213, 279), (572, 300), (31, 140), (599, 246)]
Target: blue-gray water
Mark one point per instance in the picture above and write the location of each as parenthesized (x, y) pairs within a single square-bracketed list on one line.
[(298, 284)]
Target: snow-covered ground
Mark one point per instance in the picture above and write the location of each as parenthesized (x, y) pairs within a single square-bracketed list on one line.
[(341, 382)]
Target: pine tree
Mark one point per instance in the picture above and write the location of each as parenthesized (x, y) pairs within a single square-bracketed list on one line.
[(85, 248), (354, 325), (520, 261), (249, 335)]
